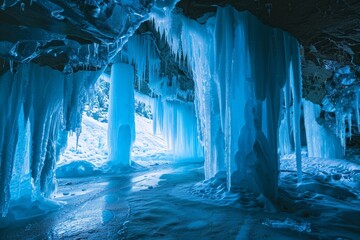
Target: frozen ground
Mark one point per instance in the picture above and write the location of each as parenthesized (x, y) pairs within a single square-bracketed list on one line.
[(160, 199), (166, 201)]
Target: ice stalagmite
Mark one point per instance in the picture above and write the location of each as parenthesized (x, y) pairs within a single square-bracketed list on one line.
[(240, 67), (121, 131)]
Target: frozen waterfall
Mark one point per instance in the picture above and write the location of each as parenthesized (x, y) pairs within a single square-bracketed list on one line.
[(240, 68), (36, 103)]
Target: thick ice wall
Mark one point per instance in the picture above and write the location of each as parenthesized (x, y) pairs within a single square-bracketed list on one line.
[(240, 67), (121, 131), (11, 90), (37, 102)]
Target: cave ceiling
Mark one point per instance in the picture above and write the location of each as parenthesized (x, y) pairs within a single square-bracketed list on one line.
[(84, 35)]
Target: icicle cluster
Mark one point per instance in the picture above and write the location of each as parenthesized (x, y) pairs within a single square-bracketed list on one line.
[(36, 104), (141, 51), (175, 120), (177, 123), (321, 141), (240, 67)]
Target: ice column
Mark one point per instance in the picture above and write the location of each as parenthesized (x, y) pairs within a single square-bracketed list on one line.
[(121, 131)]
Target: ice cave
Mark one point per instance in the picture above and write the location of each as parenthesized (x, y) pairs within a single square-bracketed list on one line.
[(180, 119)]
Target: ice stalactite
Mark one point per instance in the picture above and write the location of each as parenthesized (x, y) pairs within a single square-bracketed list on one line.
[(121, 131), (321, 141), (177, 123), (296, 86), (174, 119), (357, 110), (286, 124), (141, 52), (37, 102), (240, 67)]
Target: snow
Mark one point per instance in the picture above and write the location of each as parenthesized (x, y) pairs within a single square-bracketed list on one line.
[(92, 145), (169, 200)]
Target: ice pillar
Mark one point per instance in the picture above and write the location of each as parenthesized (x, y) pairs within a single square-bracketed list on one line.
[(121, 132)]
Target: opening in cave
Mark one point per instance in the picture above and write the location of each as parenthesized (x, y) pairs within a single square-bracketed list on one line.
[(179, 120), (88, 152)]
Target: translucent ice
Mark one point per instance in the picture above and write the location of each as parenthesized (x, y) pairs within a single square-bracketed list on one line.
[(121, 131), (240, 67)]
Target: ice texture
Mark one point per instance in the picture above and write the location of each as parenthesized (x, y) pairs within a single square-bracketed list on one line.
[(240, 68), (174, 117), (121, 131), (37, 103), (176, 121), (321, 141), (288, 223)]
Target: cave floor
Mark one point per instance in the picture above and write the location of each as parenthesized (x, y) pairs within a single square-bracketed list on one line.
[(154, 204)]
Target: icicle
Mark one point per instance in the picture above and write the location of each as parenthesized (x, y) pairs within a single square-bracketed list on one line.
[(96, 49), (296, 82), (177, 123), (341, 129), (321, 142), (3, 6), (349, 124), (22, 6), (13, 51), (78, 132), (234, 83), (11, 63), (268, 7), (88, 54), (357, 99)]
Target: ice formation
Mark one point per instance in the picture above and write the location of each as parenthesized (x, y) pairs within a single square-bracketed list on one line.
[(247, 103), (176, 121), (121, 130), (321, 141), (240, 67), (37, 103), (288, 224)]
